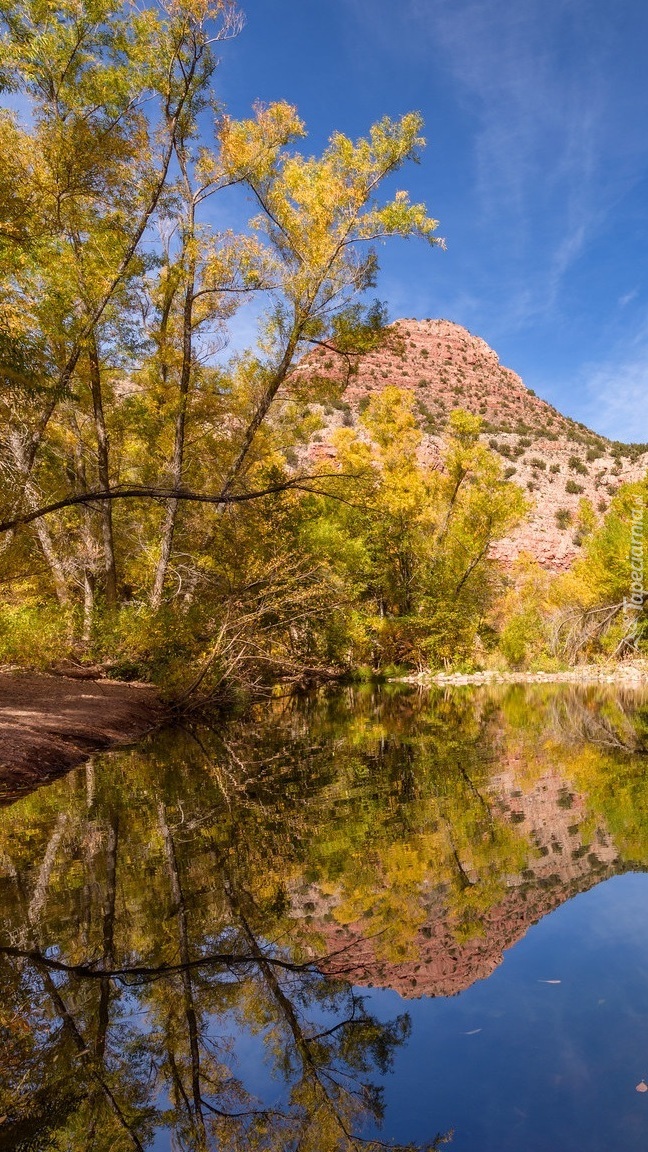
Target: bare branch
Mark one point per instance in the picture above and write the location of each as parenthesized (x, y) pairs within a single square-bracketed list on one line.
[(146, 492)]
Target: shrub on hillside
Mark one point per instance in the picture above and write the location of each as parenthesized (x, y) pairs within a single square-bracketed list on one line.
[(577, 465)]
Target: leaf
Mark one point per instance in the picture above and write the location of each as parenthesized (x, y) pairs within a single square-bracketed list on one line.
[(642, 1086)]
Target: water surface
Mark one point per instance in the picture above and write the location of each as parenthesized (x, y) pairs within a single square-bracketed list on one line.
[(370, 916)]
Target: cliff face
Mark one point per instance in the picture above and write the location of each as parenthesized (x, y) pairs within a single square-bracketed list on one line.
[(555, 460)]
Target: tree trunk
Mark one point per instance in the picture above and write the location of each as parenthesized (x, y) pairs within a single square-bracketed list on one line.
[(261, 411), (103, 469), (179, 441), (88, 540), (24, 462), (48, 550)]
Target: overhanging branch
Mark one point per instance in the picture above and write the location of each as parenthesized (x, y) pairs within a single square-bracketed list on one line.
[(148, 492)]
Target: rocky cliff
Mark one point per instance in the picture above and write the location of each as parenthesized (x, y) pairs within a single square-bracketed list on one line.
[(557, 461)]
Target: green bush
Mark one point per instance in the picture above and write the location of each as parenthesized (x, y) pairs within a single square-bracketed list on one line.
[(577, 465), (34, 636), (140, 644), (522, 637)]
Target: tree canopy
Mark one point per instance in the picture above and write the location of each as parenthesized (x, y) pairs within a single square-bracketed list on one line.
[(162, 509)]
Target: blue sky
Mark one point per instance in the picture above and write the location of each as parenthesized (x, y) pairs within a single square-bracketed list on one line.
[(536, 166)]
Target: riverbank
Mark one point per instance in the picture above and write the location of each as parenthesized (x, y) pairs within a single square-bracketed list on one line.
[(49, 724), (628, 674)]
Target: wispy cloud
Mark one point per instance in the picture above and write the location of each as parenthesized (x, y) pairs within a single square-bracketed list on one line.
[(557, 133), (616, 392), (540, 124), (627, 298), (530, 106)]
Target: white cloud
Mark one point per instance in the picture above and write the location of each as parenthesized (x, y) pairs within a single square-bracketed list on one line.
[(540, 124), (616, 392), (627, 298)]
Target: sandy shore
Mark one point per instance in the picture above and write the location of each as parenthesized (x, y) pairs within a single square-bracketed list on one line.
[(49, 724)]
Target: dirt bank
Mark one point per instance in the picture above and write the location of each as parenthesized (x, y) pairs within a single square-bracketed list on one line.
[(48, 724)]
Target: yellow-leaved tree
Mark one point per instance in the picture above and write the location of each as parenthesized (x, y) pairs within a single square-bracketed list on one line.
[(415, 541), (130, 450), (597, 609)]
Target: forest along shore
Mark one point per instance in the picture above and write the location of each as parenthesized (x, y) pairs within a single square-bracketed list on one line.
[(49, 724)]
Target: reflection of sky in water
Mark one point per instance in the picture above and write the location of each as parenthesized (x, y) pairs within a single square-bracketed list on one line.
[(554, 1066), (544, 1054), (427, 818), (250, 1063)]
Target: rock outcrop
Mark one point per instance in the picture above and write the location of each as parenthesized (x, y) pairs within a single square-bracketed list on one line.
[(556, 461)]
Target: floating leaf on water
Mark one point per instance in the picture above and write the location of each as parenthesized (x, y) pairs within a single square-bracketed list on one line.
[(642, 1086), (549, 981), (473, 1032)]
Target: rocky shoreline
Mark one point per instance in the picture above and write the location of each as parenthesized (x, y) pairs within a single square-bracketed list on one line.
[(631, 675)]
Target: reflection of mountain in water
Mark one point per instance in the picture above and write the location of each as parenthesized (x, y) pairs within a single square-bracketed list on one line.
[(567, 856), (166, 904)]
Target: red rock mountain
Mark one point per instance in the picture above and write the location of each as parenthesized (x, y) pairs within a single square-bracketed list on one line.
[(557, 461)]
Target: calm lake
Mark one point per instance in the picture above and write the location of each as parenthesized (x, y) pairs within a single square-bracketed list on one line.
[(378, 915)]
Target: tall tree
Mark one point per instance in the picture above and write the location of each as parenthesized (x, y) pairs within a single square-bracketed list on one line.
[(109, 90)]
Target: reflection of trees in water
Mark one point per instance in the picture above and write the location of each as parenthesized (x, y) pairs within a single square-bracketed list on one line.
[(614, 723), (93, 1082), (149, 907), (109, 1038), (614, 718)]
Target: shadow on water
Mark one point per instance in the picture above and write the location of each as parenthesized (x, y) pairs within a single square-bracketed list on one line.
[(188, 930)]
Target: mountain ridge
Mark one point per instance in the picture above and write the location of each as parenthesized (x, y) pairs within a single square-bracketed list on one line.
[(556, 460)]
